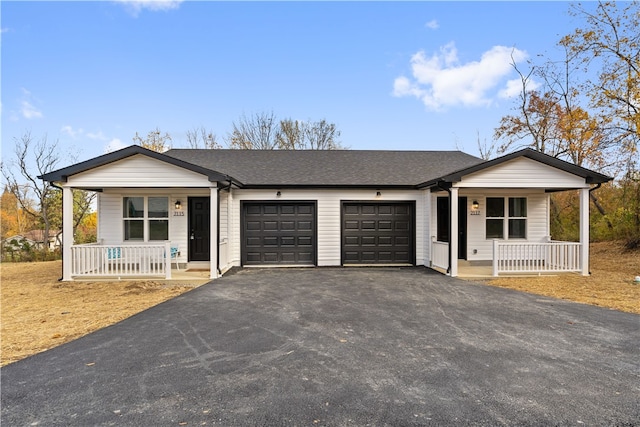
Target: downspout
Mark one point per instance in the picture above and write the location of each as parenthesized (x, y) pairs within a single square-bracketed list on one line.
[(53, 184), (598, 185), (448, 190)]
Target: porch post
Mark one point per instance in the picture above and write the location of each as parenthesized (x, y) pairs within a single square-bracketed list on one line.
[(213, 258), (584, 231), (453, 238), (67, 232)]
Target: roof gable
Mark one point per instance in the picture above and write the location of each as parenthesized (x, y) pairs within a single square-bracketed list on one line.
[(138, 171), (588, 176), (61, 175)]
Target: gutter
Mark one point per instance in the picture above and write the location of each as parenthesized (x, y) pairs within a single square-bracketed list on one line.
[(598, 185)]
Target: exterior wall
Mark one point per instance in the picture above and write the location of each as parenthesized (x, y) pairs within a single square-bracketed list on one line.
[(138, 171), (328, 216), (537, 218), (522, 173), (110, 221)]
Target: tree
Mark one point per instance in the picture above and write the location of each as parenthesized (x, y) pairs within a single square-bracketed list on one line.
[(256, 132), (610, 43), (263, 131), (155, 141), (44, 157), (13, 220), (202, 138)]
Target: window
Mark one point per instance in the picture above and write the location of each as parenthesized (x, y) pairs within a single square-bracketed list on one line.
[(146, 216), (442, 218), (515, 223)]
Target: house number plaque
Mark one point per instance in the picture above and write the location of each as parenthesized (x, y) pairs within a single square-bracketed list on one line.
[(178, 213)]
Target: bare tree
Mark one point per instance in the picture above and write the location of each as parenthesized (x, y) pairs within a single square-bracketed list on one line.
[(256, 132), (202, 138), (45, 157), (322, 136), (263, 132)]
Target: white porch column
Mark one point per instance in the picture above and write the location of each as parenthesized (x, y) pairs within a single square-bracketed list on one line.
[(67, 232), (584, 231), (213, 239), (229, 227), (453, 244)]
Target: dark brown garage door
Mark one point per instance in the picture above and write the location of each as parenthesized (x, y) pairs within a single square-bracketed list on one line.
[(278, 233), (377, 233)]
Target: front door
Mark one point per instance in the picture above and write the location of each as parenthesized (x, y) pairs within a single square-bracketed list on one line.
[(199, 229), (462, 228)]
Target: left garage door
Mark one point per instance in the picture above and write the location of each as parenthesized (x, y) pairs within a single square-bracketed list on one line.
[(275, 233)]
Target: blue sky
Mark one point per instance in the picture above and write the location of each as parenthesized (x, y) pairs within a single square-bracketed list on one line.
[(390, 75)]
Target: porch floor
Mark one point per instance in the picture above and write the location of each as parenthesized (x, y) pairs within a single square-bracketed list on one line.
[(195, 277), (468, 271)]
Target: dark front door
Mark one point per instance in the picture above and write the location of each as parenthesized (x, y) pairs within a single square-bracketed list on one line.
[(199, 230), (378, 233), (462, 228)]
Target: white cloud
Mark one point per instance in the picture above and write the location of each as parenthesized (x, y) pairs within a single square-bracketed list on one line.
[(99, 136), (114, 145), (513, 88), (136, 6), (441, 81), (433, 24), (29, 111), (73, 133)]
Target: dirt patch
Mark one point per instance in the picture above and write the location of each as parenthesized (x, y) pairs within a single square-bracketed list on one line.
[(610, 285), (39, 313)]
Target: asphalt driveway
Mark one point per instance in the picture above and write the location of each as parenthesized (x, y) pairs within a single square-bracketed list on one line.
[(340, 347)]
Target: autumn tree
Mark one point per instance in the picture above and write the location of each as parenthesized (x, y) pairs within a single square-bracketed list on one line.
[(609, 42), (13, 219), (155, 140)]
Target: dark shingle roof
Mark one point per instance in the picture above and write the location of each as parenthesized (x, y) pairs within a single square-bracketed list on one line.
[(328, 168)]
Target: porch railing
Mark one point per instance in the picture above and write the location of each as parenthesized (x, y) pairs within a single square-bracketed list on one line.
[(224, 255), (529, 257), (439, 254), (121, 260)]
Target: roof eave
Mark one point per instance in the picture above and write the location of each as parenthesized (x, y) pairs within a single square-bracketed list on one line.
[(62, 175)]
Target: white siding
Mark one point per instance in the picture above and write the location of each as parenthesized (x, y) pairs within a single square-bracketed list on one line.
[(522, 173), (110, 221), (537, 220), (328, 216), (138, 171)]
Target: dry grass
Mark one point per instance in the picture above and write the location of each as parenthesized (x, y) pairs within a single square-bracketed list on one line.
[(38, 312), (610, 285)]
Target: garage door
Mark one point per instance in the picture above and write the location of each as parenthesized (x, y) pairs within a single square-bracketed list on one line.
[(377, 233), (278, 233)]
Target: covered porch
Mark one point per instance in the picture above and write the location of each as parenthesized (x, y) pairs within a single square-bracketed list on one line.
[(494, 219)]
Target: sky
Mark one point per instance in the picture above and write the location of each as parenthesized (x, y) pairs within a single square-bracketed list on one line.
[(390, 75)]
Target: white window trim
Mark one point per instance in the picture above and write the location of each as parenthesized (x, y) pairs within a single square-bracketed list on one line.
[(145, 217), (505, 218)]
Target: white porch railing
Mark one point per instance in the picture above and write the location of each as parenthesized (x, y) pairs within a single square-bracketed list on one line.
[(121, 260), (439, 254), (529, 257)]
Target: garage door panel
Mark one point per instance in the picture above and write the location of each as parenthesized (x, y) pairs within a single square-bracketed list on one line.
[(278, 233), (378, 233)]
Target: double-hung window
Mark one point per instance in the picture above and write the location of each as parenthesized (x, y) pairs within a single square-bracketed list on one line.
[(506, 217), (146, 218)]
